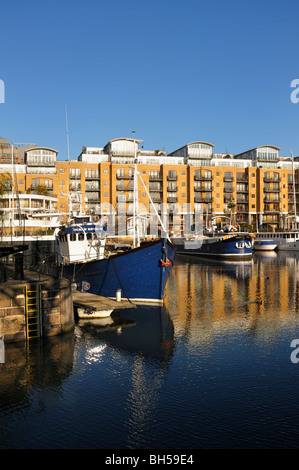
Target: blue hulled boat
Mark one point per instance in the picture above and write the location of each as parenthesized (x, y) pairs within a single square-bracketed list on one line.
[(232, 246), (140, 273)]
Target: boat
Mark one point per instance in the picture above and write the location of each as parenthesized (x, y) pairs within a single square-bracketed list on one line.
[(237, 246), (139, 274), (34, 219), (285, 241), (91, 314), (264, 245)]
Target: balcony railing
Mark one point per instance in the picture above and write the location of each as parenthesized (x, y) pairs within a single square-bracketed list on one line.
[(172, 177), (228, 178), (126, 176), (203, 199), (172, 199), (268, 179), (203, 178)]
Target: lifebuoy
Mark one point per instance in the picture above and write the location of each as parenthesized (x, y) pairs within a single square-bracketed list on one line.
[(165, 263)]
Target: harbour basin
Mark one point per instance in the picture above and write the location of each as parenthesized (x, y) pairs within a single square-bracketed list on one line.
[(211, 368)]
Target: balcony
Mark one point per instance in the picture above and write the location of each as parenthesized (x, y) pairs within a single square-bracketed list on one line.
[(172, 178), (203, 188), (203, 199), (228, 179), (228, 190), (273, 190), (122, 187), (126, 176), (203, 178), (170, 189), (268, 210), (155, 177), (156, 199), (268, 179), (271, 201), (172, 199)]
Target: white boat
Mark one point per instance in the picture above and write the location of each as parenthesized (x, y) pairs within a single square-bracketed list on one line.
[(264, 245), (285, 241), (29, 217), (90, 314)]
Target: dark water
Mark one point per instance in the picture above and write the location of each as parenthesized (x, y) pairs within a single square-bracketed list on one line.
[(211, 369)]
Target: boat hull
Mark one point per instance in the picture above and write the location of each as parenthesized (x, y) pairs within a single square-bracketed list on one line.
[(139, 273), (264, 246), (235, 247)]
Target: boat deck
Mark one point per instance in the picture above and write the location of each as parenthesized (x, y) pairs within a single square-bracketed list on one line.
[(97, 302)]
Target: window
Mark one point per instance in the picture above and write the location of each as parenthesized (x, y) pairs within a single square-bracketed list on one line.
[(48, 183), (35, 182)]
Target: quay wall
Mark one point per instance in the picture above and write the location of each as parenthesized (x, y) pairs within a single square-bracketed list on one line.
[(56, 308)]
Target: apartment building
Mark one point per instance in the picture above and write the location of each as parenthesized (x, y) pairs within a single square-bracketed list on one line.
[(252, 189)]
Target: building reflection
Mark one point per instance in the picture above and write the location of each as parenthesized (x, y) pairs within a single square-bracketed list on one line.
[(257, 296)]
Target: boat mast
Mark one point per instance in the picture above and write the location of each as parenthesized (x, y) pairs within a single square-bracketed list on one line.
[(135, 195), (67, 135), (12, 189), (294, 190)]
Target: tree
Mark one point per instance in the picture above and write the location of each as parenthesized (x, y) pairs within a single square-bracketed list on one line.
[(5, 183)]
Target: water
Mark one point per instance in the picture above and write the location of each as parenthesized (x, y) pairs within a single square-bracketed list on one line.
[(211, 369)]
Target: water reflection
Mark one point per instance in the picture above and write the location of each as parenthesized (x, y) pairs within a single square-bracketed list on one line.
[(209, 369), (145, 331), (257, 296)]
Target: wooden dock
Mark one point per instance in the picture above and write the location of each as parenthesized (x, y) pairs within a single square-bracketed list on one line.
[(97, 302)]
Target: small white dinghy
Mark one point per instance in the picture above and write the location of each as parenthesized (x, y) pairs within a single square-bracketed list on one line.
[(89, 313)]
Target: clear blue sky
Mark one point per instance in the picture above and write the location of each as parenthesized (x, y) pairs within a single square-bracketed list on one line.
[(175, 71)]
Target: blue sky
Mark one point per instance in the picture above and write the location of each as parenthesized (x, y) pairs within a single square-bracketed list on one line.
[(175, 71)]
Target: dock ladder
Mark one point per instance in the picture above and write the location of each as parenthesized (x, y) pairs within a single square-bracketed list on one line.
[(33, 323)]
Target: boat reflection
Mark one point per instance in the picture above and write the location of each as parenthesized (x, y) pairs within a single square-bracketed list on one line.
[(204, 297), (151, 332)]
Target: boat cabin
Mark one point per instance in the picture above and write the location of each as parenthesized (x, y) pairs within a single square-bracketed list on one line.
[(80, 243)]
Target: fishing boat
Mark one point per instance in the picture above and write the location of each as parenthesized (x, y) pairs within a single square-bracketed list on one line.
[(140, 273), (227, 246), (264, 245)]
